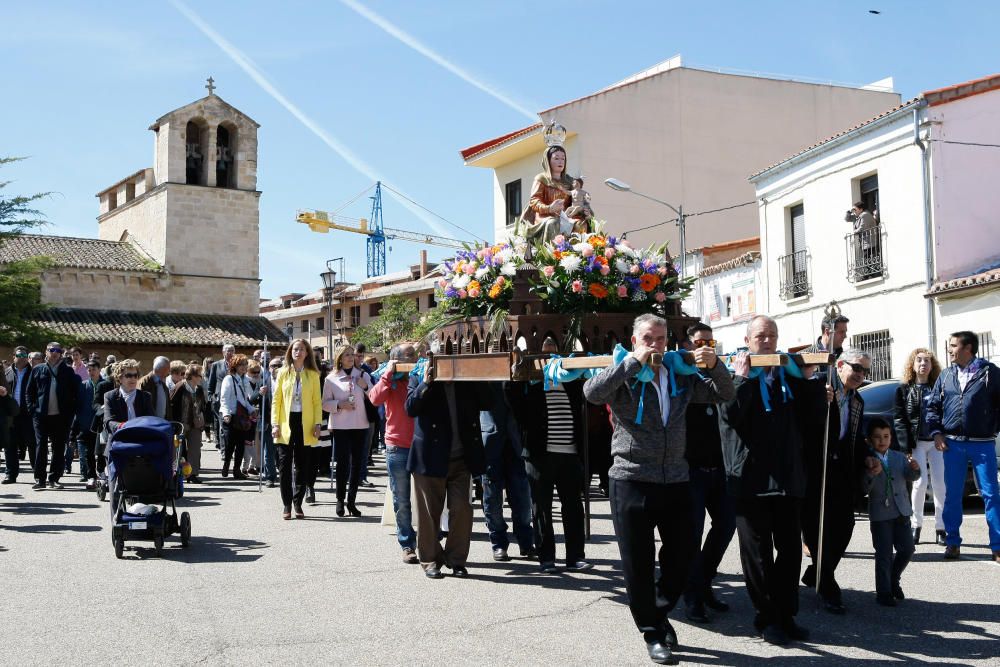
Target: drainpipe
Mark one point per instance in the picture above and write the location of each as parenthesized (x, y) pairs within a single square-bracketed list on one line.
[(925, 184)]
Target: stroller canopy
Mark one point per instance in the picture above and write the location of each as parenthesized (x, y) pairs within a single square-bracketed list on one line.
[(150, 437)]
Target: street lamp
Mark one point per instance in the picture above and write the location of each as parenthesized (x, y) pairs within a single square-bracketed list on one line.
[(620, 186), (329, 282)]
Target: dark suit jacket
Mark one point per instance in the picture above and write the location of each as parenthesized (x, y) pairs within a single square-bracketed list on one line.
[(527, 401), (217, 372), (116, 412), (430, 453), (151, 387), (67, 391), (103, 387)]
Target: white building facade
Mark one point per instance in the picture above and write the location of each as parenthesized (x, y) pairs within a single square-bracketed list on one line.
[(924, 171)]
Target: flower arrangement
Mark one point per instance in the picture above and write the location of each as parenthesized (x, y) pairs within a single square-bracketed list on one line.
[(480, 280), (599, 273)]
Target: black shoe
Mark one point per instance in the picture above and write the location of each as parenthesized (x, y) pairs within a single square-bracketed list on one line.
[(310, 495), (38, 486), (433, 572), (696, 612), (365, 483), (714, 603), (939, 538), (340, 509), (916, 536), (885, 600), (834, 606), (897, 592), (669, 635), (809, 577), (459, 571), (952, 553), (530, 553), (659, 652), (794, 630), (353, 510), (238, 474), (55, 485), (8, 480), (194, 479), (225, 471), (271, 484), (773, 634)]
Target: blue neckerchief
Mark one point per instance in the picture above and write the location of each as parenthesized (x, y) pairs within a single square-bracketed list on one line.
[(790, 367), (380, 371), (420, 369), (672, 361), (553, 374)]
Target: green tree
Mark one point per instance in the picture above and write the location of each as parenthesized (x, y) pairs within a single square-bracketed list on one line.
[(396, 322), (20, 288)]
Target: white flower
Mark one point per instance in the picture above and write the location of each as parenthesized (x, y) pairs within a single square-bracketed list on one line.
[(621, 265), (481, 271), (571, 263), (638, 295), (461, 281), (580, 247), (508, 269), (505, 255)]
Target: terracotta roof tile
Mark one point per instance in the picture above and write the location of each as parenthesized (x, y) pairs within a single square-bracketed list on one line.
[(473, 151), (155, 328), (990, 277), (81, 253)]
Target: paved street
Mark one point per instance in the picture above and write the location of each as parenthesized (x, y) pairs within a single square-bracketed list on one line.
[(255, 589)]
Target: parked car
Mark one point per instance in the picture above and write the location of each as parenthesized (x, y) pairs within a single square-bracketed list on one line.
[(880, 400)]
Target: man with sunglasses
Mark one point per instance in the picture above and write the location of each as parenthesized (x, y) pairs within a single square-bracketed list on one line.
[(22, 430), (845, 461), (51, 397)]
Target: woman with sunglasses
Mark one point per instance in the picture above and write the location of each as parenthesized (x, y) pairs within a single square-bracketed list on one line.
[(128, 401)]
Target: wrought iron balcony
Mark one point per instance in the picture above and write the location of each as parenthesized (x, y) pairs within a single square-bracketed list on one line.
[(865, 258), (793, 275)]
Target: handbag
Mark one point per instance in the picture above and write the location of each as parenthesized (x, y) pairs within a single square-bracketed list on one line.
[(242, 418)]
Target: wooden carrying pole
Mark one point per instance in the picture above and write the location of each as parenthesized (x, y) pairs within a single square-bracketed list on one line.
[(822, 483)]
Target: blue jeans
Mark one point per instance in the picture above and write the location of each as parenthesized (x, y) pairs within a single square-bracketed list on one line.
[(270, 470), (399, 484), (505, 469), (984, 466), (708, 493)]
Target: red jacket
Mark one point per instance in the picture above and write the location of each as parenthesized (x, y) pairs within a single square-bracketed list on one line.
[(398, 424)]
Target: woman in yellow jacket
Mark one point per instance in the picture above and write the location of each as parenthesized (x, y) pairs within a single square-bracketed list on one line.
[(296, 415)]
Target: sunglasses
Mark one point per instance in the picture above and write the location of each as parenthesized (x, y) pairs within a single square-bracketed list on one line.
[(21, 355), (56, 350), (858, 368), (702, 343), (128, 376)]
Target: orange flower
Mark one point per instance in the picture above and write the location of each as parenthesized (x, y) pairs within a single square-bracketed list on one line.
[(557, 254), (473, 284), (649, 281), (495, 290), (601, 259), (597, 241), (597, 290)]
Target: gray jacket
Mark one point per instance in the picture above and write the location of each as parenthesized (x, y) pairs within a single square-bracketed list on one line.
[(650, 451), (875, 486)]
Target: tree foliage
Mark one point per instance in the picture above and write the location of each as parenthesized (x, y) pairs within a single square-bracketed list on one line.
[(20, 287), (399, 321)]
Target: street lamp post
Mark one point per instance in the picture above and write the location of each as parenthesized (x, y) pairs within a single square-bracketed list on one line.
[(329, 282), (615, 184)]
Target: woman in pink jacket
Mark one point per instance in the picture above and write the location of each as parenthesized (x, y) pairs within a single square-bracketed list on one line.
[(344, 398)]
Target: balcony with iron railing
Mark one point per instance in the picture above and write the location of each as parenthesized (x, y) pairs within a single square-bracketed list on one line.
[(865, 254), (793, 275)]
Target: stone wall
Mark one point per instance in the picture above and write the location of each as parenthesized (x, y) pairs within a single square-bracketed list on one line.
[(143, 218)]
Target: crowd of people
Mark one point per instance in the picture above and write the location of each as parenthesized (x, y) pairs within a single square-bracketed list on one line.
[(781, 457)]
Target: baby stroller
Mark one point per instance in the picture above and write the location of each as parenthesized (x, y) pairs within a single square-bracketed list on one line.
[(143, 457)]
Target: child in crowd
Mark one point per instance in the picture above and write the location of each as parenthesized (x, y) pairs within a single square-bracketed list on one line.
[(889, 510)]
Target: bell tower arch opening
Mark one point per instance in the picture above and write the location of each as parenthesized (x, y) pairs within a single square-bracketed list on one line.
[(226, 137), (195, 140)]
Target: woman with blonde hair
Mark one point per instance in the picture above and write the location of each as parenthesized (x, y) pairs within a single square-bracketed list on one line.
[(344, 393), (919, 374), (296, 414)]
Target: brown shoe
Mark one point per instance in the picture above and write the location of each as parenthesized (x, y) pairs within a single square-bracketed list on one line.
[(299, 514), (287, 513), (409, 557), (952, 553), (996, 557)]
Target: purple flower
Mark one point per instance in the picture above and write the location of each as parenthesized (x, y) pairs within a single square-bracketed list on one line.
[(451, 293)]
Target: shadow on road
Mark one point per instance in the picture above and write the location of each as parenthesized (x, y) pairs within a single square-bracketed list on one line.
[(208, 549), (43, 508), (51, 529)]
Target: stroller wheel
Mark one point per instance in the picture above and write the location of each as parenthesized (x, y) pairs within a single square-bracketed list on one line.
[(101, 493), (185, 529), (158, 543), (119, 547)]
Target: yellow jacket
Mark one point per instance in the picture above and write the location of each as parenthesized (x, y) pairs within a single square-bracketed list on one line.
[(312, 404)]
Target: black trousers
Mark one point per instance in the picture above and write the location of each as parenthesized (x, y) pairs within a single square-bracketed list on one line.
[(765, 526), (640, 509), (54, 429), (838, 527), (564, 472), (294, 455), (234, 441), (350, 451), (708, 494), (22, 434), (87, 445)]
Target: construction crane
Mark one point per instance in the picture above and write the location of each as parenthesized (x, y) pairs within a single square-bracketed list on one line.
[(323, 222)]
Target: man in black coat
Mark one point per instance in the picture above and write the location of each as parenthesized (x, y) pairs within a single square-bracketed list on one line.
[(763, 430), (217, 372), (51, 397), (447, 450), (22, 430)]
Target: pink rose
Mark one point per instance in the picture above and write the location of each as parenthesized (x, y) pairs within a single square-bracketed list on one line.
[(662, 271), (609, 252), (481, 254), (469, 268), (442, 283), (577, 286), (559, 239), (548, 271), (501, 281), (475, 292), (605, 269), (635, 270), (622, 291), (660, 297), (588, 251), (462, 294)]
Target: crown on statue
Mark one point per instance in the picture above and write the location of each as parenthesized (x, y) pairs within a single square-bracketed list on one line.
[(555, 134)]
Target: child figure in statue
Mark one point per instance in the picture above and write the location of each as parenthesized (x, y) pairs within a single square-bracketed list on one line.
[(580, 202)]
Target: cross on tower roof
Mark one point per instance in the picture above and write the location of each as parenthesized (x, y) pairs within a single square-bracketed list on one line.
[(211, 86)]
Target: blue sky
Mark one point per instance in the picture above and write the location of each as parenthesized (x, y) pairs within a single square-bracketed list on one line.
[(91, 77)]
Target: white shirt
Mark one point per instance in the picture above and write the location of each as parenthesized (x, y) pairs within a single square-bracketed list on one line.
[(129, 401)]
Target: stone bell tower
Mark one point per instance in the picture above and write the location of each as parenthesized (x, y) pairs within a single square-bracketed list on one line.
[(196, 211)]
